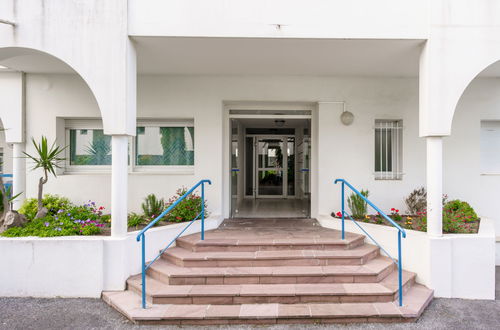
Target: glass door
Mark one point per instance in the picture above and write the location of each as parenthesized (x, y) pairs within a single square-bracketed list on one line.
[(235, 170), (271, 158), (306, 175)]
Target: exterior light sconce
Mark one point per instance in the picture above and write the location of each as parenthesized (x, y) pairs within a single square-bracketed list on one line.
[(346, 117)]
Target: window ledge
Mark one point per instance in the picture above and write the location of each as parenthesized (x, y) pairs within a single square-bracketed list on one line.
[(142, 172), (163, 172)]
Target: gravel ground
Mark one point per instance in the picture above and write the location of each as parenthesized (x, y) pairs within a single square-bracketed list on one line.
[(58, 313)]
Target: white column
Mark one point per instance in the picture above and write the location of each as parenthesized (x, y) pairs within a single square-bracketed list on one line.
[(119, 185), (19, 174), (434, 186)]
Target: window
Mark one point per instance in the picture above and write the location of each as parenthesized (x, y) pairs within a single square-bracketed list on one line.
[(490, 147), (388, 149), (161, 145), (165, 144), (89, 147)]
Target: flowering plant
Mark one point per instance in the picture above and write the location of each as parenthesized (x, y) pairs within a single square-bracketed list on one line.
[(395, 214), (187, 209), (73, 220)]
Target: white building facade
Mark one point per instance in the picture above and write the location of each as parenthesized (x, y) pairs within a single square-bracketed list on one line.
[(113, 80)]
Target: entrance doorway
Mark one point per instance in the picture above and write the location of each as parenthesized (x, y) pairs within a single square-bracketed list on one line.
[(270, 167)]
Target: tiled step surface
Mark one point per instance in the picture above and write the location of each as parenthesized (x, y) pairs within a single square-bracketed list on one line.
[(161, 293), (355, 256), (193, 243), (271, 271), (128, 303), (372, 271)]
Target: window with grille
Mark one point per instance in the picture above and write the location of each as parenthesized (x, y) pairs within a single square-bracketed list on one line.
[(388, 149)]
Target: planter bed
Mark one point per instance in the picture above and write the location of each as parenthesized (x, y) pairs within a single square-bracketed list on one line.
[(414, 223)]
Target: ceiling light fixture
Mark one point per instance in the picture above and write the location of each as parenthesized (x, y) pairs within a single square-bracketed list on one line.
[(279, 122)]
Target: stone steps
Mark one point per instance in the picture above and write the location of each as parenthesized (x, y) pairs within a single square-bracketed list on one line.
[(160, 293), (128, 303), (355, 256), (374, 270), (271, 272), (194, 244)]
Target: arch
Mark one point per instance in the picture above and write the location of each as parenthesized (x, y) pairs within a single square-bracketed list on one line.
[(466, 84), (10, 53)]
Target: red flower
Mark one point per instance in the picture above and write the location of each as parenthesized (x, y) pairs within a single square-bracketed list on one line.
[(397, 211), (393, 209), (339, 214)]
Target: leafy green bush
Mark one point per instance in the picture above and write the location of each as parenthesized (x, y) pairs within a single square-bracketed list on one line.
[(358, 205), (458, 207), (73, 220), (152, 206), (186, 210), (458, 216), (53, 203), (135, 220)]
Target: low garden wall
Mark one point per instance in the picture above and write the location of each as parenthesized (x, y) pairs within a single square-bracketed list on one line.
[(79, 266), (454, 265)]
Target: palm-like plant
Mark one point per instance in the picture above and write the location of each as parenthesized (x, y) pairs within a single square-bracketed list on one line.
[(48, 159)]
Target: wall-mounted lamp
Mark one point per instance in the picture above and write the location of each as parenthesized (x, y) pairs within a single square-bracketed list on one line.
[(346, 117)]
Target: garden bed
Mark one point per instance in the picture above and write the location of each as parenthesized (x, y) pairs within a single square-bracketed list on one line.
[(458, 216), (64, 218), (418, 223)]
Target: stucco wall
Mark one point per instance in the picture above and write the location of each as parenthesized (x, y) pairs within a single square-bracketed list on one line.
[(446, 264), (347, 150), (313, 18), (79, 266)]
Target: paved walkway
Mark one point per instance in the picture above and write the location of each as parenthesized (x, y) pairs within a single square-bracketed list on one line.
[(35, 313)]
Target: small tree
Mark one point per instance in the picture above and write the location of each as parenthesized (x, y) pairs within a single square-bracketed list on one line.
[(47, 159)]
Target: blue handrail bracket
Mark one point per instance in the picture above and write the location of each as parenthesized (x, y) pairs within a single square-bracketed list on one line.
[(401, 231), (141, 236)]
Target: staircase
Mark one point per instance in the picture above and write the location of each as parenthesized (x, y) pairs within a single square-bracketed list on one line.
[(268, 271)]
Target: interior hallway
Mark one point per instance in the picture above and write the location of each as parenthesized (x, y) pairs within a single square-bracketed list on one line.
[(273, 208)]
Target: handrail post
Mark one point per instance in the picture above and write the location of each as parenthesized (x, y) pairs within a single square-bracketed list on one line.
[(143, 241), (400, 271), (343, 210), (203, 211)]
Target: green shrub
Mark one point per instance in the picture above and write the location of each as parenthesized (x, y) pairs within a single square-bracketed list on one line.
[(457, 216), (135, 220), (358, 205), (186, 210), (152, 206), (53, 203), (463, 209)]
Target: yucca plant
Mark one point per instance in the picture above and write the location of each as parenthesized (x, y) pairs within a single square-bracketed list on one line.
[(358, 205), (153, 206), (48, 159)]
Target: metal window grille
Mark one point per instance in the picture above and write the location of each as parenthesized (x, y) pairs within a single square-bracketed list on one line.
[(388, 149)]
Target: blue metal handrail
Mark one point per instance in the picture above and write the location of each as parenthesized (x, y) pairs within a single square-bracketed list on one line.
[(142, 238), (401, 231)]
